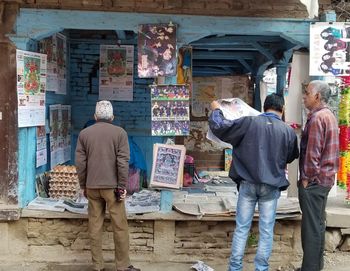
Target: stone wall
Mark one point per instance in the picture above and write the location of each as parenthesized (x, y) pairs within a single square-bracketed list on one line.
[(247, 8), (213, 239), (66, 240), (72, 234)]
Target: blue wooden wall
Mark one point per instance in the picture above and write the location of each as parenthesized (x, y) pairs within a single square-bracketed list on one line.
[(133, 116), (82, 94)]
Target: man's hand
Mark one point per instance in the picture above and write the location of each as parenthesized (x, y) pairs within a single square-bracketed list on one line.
[(214, 105), (304, 183), (123, 195), (83, 192)]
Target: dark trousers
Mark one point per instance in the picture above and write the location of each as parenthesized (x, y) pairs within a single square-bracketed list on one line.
[(313, 200)]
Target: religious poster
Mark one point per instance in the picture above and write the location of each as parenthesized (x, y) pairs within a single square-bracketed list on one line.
[(41, 148), (66, 132), (55, 47), (170, 110), (168, 164), (329, 49), (156, 50), (31, 86), (116, 72), (55, 135)]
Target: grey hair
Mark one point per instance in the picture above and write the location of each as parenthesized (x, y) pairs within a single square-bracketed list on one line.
[(322, 88)]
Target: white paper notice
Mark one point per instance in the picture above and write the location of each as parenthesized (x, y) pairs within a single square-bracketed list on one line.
[(31, 87), (116, 72)]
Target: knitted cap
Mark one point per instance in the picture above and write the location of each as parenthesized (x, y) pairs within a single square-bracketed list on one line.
[(104, 110)]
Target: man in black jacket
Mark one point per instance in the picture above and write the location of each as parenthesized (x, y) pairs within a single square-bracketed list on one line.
[(262, 147)]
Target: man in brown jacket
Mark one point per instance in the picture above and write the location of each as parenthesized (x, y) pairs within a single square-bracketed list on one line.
[(102, 161)]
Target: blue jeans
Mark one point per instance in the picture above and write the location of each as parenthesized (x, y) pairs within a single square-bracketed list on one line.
[(267, 197)]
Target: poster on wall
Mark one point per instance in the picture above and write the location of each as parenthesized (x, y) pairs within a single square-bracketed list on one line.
[(41, 148), (116, 72), (60, 134), (156, 50), (170, 110), (184, 66), (329, 49), (61, 63), (55, 136), (66, 132), (55, 47), (207, 89), (197, 138), (31, 87), (168, 163)]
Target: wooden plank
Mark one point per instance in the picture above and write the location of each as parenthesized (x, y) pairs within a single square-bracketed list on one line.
[(173, 215), (9, 212), (54, 20)]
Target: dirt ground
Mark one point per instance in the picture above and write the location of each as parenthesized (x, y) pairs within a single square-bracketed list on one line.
[(333, 262)]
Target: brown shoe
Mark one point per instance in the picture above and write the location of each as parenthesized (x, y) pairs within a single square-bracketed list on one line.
[(130, 268)]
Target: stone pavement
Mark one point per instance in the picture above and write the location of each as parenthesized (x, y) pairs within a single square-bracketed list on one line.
[(339, 262)]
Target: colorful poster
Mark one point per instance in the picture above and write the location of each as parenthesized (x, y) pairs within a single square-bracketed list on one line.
[(170, 110), (168, 163), (156, 50), (329, 49), (31, 86), (41, 148), (184, 66), (116, 72), (55, 47)]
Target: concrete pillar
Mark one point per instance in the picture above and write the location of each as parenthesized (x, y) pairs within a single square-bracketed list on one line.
[(164, 239)]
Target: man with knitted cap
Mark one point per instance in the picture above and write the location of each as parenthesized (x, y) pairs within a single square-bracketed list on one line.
[(102, 161)]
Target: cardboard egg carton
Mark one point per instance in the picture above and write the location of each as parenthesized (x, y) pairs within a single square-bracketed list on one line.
[(64, 182)]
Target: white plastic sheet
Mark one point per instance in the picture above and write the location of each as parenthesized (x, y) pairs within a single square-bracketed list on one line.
[(232, 109)]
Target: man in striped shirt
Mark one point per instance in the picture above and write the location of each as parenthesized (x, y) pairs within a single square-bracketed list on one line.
[(318, 164)]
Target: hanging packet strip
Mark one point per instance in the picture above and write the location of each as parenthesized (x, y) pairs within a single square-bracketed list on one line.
[(232, 109)]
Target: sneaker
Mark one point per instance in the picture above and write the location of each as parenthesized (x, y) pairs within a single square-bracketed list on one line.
[(130, 268)]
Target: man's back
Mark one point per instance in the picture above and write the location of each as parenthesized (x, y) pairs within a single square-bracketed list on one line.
[(102, 155), (273, 145), (262, 146)]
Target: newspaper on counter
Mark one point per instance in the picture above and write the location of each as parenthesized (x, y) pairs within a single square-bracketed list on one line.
[(58, 205), (145, 201), (232, 109), (45, 204)]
